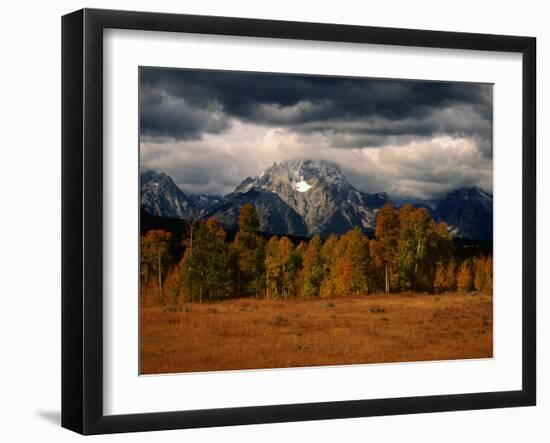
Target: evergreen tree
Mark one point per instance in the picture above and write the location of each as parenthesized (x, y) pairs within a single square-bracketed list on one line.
[(444, 246), (313, 270), (410, 252), (218, 271), (248, 249), (198, 263), (248, 219), (295, 266), (205, 270), (146, 261)]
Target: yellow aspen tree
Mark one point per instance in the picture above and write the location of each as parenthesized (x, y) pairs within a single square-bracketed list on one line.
[(440, 280), (479, 273), (327, 287), (286, 248), (451, 275), (387, 237), (154, 256), (272, 268), (465, 278)]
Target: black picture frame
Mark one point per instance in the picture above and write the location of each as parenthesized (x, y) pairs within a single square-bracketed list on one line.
[(82, 218)]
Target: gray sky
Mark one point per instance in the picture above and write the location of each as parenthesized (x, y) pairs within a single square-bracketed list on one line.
[(209, 130)]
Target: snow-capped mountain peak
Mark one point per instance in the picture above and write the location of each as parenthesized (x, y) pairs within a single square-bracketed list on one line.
[(308, 197), (162, 197), (299, 173), (318, 192)]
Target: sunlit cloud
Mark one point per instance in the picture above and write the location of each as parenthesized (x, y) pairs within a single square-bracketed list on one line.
[(210, 130)]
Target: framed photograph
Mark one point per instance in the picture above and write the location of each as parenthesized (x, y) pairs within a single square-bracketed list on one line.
[(269, 221)]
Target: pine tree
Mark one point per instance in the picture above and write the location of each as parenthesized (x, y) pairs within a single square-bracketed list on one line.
[(205, 269), (295, 264), (199, 262), (258, 282), (146, 261), (248, 250), (410, 252), (248, 219), (313, 271), (218, 272), (186, 277), (444, 246)]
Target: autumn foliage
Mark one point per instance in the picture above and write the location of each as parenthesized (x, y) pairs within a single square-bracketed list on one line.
[(410, 252)]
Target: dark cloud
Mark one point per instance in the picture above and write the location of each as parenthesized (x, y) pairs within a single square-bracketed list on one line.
[(185, 104), (211, 129), (167, 116)]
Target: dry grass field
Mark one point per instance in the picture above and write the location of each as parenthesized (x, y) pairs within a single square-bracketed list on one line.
[(253, 334)]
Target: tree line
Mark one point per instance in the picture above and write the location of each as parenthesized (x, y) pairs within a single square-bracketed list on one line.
[(410, 252)]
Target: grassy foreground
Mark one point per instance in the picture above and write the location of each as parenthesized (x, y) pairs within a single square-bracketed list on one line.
[(254, 334)]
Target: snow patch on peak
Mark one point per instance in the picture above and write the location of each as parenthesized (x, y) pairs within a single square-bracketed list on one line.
[(302, 186)]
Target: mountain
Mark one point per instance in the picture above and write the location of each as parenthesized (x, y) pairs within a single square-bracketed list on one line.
[(400, 201), (308, 197), (275, 216), (303, 196), (162, 197), (468, 213)]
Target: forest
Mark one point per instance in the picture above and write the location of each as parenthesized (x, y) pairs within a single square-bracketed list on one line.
[(410, 252)]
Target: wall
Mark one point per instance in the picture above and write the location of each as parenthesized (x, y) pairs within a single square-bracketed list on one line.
[(30, 244)]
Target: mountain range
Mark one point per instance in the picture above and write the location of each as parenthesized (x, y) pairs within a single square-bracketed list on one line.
[(468, 212), (161, 196), (308, 197)]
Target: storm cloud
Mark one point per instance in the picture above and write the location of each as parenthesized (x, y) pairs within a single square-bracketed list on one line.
[(211, 129)]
